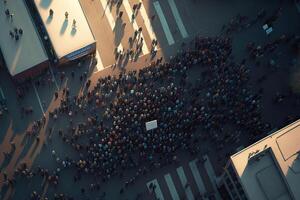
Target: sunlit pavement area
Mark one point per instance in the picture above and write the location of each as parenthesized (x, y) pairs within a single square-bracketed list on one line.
[(174, 25)]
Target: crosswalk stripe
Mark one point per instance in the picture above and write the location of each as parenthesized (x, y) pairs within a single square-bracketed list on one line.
[(109, 16), (171, 187), (135, 26), (38, 98), (183, 181), (157, 190), (99, 65), (211, 174), (164, 23), (147, 22), (197, 177), (178, 19)]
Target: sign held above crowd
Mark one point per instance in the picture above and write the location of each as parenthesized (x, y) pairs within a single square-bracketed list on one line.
[(151, 125)]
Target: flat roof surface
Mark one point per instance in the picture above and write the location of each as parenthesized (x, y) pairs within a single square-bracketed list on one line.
[(64, 38), (270, 165), (274, 188), (28, 51)]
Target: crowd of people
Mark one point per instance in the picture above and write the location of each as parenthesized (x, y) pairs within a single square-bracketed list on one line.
[(136, 40), (117, 108)]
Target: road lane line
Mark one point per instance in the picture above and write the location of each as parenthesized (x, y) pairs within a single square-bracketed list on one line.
[(109, 16), (197, 176), (2, 94), (147, 22), (178, 18), (211, 175), (183, 180), (171, 187), (66, 82), (157, 191), (53, 77), (99, 65), (38, 98), (135, 26), (92, 61), (164, 23)]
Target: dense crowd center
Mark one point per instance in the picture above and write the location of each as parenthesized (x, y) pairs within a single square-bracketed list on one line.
[(113, 137)]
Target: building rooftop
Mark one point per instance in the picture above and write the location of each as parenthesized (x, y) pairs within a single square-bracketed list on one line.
[(270, 168), (64, 37), (27, 51)]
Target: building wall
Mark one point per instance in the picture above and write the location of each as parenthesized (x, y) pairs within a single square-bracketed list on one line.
[(80, 53), (31, 73), (231, 184)]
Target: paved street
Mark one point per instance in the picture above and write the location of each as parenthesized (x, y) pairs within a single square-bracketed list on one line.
[(193, 180), (174, 24)]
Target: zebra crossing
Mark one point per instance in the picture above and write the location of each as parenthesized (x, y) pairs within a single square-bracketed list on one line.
[(211, 174), (178, 18), (147, 22), (184, 181), (158, 193), (171, 187), (134, 24), (164, 22), (199, 182), (148, 34)]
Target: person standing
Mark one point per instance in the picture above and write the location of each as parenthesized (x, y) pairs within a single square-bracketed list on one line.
[(120, 14), (66, 15), (51, 12)]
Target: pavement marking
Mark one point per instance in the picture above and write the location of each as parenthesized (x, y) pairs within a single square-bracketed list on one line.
[(212, 176), (164, 22), (197, 176), (66, 82), (38, 98), (108, 66), (183, 180), (2, 94), (120, 47), (92, 61), (147, 22), (178, 18), (108, 15), (157, 191), (171, 187), (135, 26), (53, 77), (99, 65)]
